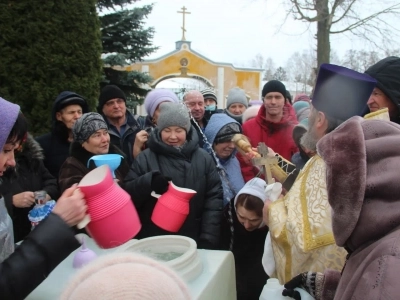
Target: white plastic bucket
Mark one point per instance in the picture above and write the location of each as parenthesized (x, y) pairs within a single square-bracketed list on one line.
[(178, 252)]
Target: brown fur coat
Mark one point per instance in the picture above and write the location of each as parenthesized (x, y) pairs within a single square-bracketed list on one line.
[(363, 163)]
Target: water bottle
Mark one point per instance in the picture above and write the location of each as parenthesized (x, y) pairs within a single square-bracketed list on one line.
[(304, 295), (272, 290)]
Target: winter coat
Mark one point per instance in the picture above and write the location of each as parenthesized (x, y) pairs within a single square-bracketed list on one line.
[(248, 249), (277, 136), (362, 161), (209, 113), (75, 167), (199, 131), (126, 142), (29, 175), (191, 168), (42, 250), (55, 144), (230, 166)]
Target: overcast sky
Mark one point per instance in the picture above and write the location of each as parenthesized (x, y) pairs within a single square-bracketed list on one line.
[(234, 31)]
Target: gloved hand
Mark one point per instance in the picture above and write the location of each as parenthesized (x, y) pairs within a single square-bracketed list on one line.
[(159, 183), (312, 282)]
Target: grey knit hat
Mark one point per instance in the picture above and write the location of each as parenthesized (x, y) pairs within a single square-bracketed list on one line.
[(236, 95), (86, 125), (173, 114)]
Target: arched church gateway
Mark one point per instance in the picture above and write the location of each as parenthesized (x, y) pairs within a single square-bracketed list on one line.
[(185, 62)]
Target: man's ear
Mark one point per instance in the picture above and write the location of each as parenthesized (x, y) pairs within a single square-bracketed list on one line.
[(321, 122), (58, 116)]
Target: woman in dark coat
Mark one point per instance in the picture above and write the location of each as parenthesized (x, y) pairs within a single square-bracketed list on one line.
[(244, 233), (20, 183), (173, 154), (22, 270), (90, 138)]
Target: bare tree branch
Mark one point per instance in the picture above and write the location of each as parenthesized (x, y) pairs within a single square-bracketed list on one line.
[(364, 21), (300, 12), (346, 11)]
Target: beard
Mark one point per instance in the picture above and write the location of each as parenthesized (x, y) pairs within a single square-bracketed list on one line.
[(310, 138)]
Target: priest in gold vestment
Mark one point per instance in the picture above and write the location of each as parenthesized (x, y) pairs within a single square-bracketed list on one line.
[(300, 222)]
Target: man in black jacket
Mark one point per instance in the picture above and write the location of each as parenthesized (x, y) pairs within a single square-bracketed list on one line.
[(67, 108), (122, 125), (387, 90)]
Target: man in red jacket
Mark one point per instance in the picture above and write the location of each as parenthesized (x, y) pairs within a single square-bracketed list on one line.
[(273, 125)]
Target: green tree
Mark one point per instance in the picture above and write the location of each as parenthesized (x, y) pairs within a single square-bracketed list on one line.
[(47, 47), (125, 41)]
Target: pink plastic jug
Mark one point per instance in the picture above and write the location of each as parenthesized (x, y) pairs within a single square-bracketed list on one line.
[(113, 217), (172, 208)]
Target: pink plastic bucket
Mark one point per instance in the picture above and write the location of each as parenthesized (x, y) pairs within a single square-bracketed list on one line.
[(113, 217), (172, 208)]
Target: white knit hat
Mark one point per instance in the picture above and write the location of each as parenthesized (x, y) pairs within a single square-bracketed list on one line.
[(126, 276)]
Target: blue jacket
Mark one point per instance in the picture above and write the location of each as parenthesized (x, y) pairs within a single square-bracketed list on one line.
[(230, 174)]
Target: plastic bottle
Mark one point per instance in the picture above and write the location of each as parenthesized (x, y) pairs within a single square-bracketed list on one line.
[(272, 290), (83, 256), (304, 295)]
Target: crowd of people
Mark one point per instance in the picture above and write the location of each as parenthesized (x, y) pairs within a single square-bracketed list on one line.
[(334, 231)]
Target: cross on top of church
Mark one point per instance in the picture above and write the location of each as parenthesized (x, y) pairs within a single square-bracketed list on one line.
[(183, 12)]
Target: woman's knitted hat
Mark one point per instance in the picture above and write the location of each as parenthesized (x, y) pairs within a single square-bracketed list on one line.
[(173, 114), (157, 96), (8, 115), (236, 95), (126, 276), (86, 125), (209, 93)]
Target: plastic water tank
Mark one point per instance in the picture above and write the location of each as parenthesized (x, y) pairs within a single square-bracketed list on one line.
[(178, 252)]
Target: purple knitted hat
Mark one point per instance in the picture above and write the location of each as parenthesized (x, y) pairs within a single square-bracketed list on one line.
[(8, 115), (155, 97)]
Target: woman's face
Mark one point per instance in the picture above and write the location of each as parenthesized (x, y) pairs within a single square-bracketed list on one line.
[(98, 142), (7, 156), (173, 136), (248, 218)]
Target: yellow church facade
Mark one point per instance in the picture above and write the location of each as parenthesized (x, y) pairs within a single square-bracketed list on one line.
[(184, 62)]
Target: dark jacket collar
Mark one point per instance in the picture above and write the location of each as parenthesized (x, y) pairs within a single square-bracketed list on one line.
[(158, 146)]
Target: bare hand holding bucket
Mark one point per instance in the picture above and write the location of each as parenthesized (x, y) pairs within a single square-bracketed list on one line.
[(113, 217), (71, 206)]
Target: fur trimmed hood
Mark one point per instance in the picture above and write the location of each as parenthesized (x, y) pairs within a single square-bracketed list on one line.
[(362, 165), (32, 154)]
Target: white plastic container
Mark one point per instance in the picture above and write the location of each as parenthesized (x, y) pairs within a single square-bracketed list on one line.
[(178, 252), (273, 291), (215, 269)]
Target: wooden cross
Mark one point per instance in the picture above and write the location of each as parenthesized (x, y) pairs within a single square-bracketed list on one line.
[(183, 12), (265, 161)]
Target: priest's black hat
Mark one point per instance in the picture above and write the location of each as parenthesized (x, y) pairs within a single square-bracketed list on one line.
[(341, 92)]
